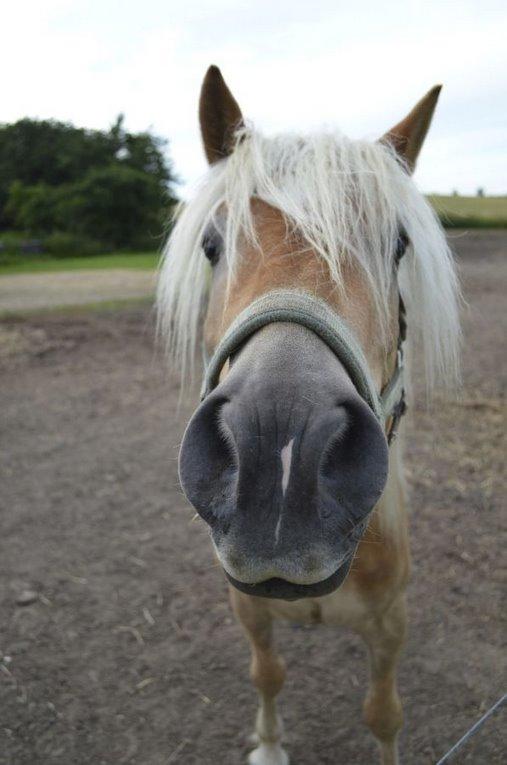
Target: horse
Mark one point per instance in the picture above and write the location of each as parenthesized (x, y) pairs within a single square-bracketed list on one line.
[(308, 266)]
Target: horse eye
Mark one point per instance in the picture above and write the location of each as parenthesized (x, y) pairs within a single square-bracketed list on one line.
[(211, 248), (401, 246)]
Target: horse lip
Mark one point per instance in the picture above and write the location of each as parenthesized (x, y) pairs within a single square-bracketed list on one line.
[(281, 589)]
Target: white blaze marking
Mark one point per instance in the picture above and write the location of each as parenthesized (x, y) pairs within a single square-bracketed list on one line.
[(286, 457), (277, 529)]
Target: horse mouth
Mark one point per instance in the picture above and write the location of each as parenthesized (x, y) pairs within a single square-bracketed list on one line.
[(282, 589)]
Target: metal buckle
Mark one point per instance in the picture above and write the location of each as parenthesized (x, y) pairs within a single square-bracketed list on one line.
[(397, 413)]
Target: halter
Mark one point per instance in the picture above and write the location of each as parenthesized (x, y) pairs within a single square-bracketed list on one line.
[(300, 307)]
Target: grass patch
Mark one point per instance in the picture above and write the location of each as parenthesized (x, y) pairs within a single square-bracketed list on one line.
[(100, 306), (470, 212), (20, 264)]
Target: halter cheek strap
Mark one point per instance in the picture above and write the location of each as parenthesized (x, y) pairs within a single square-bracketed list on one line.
[(300, 307)]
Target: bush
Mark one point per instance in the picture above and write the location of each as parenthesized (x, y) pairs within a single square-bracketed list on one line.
[(32, 208), (11, 242), (120, 206), (61, 244)]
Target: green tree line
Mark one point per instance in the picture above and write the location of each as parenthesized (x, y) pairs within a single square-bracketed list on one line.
[(77, 189)]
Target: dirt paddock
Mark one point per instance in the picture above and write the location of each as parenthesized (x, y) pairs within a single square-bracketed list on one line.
[(116, 639)]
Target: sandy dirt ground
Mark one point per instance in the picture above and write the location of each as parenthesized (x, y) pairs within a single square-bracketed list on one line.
[(116, 640), (30, 292)]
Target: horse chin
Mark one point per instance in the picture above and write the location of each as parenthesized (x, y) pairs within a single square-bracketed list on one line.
[(282, 589)]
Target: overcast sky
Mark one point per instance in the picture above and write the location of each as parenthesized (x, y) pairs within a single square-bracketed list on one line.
[(358, 65)]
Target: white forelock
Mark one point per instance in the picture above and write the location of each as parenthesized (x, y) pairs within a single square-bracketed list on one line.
[(349, 199)]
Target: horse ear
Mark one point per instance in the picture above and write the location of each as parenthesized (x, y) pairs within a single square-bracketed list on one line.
[(219, 115), (407, 137)]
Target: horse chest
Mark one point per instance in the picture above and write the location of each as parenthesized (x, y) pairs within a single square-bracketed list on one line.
[(344, 607)]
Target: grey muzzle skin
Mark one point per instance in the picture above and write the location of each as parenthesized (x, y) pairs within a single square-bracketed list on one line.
[(287, 456)]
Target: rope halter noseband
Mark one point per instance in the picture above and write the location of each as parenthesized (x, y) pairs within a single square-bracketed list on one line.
[(300, 307)]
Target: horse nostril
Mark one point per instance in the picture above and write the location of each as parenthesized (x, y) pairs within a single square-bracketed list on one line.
[(353, 465), (208, 463)]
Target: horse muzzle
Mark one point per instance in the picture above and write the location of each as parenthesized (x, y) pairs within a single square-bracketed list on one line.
[(284, 460)]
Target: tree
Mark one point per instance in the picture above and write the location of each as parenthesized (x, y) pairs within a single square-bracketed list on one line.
[(117, 205), (32, 208), (117, 185)]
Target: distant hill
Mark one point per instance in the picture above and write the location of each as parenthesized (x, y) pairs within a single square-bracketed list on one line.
[(472, 212)]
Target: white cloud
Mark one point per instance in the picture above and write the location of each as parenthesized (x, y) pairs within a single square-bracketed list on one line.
[(359, 66)]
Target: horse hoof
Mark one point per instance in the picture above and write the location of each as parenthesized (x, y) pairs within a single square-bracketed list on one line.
[(268, 754)]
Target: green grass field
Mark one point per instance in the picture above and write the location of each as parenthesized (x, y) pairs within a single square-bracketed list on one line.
[(471, 212), (19, 264)]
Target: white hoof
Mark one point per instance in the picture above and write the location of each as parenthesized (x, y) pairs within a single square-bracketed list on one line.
[(268, 754)]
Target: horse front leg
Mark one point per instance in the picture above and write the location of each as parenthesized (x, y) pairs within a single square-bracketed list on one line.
[(267, 670), (385, 637)]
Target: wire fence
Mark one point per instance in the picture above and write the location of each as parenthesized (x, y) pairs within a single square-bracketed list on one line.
[(495, 708)]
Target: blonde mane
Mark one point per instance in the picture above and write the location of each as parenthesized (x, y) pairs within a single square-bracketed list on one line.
[(349, 199)]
